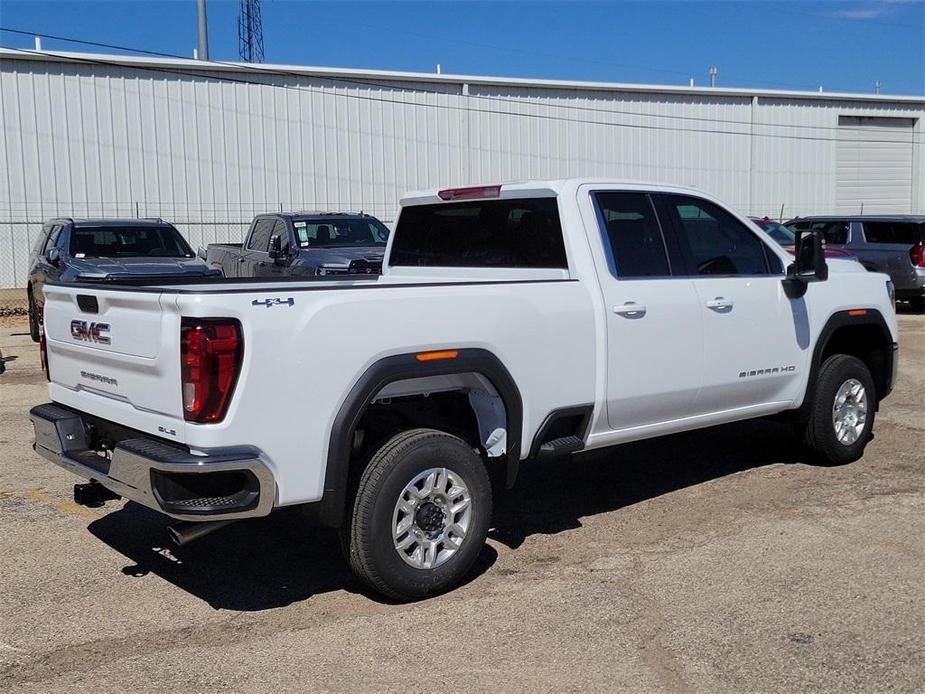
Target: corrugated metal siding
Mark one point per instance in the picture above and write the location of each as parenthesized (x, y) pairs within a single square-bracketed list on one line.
[(209, 150)]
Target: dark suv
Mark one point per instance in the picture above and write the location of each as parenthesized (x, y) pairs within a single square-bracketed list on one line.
[(86, 250), (893, 244)]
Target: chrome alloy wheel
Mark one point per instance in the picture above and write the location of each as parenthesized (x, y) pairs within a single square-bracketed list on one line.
[(431, 518), (849, 411)]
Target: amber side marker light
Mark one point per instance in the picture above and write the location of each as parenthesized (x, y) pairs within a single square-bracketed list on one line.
[(434, 356), (858, 312)]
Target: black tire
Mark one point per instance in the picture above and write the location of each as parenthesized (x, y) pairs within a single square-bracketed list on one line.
[(819, 433), (367, 536), (33, 319), (917, 304)]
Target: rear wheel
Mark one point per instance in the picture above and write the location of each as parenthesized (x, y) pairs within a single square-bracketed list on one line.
[(917, 304), (842, 412), (420, 516), (33, 319)]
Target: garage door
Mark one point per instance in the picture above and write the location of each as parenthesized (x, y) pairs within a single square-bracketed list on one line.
[(874, 164)]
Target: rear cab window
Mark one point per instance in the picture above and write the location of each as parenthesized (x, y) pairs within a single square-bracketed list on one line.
[(490, 233)]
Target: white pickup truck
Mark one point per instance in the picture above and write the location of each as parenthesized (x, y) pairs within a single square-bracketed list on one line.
[(510, 323)]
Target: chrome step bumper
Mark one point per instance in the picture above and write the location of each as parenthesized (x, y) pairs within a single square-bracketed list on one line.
[(234, 484)]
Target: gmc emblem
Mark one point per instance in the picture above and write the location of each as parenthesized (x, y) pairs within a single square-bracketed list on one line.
[(90, 332)]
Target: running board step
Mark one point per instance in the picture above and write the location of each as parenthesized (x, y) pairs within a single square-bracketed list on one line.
[(560, 447)]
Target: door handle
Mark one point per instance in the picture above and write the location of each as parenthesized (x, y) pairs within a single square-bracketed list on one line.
[(630, 309), (720, 304)]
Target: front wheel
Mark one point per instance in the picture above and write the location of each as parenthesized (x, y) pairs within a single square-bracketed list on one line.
[(842, 412), (917, 304), (420, 516)]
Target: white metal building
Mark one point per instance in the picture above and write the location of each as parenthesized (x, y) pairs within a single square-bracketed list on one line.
[(206, 145)]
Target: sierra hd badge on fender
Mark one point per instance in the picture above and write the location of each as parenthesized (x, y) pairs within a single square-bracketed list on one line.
[(90, 332)]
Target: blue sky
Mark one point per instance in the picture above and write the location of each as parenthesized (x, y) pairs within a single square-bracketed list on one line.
[(842, 46)]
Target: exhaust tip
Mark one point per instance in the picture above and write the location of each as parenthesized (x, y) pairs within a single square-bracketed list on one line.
[(184, 532)]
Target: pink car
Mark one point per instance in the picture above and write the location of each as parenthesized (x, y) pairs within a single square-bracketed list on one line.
[(786, 238)]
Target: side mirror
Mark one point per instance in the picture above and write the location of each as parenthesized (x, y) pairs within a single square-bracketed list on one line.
[(54, 255), (809, 264), (202, 253), (276, 247)]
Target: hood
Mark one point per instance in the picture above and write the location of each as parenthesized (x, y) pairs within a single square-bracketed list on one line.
[(829, 252), (109, 268), (343, 256)]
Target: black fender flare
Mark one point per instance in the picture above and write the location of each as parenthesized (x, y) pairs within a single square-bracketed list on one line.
[(850, 319), (398, 368)]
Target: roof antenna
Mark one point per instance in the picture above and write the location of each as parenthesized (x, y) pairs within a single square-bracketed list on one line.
[(713, 73)]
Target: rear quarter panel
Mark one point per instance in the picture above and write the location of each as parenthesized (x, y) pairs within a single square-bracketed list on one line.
[(300, 361)]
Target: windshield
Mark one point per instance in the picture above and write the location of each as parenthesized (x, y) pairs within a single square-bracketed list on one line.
[(340, 233), (128, 242), (778, 232)]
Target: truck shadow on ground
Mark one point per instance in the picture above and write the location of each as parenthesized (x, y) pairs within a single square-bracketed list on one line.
[(281, 559), (551, 496)]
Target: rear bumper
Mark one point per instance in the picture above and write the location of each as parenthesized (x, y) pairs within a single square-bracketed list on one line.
[(230, 485), (912, 286)]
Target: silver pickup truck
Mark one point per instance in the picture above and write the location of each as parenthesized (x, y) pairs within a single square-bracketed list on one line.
[(304, 244), (892, 244)]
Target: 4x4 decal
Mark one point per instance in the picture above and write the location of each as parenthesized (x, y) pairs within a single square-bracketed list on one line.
[(273, 302)]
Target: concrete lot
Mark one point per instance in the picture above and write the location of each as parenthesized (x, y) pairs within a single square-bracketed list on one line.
[(716, 561)]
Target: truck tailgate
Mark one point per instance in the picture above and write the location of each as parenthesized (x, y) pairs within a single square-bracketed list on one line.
[(116, 354)]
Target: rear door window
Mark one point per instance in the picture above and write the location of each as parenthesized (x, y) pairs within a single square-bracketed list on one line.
[(632, 236), (518, 233), (906, 233)]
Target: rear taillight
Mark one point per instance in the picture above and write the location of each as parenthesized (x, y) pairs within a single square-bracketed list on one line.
[(210, 360), (917, 254)]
